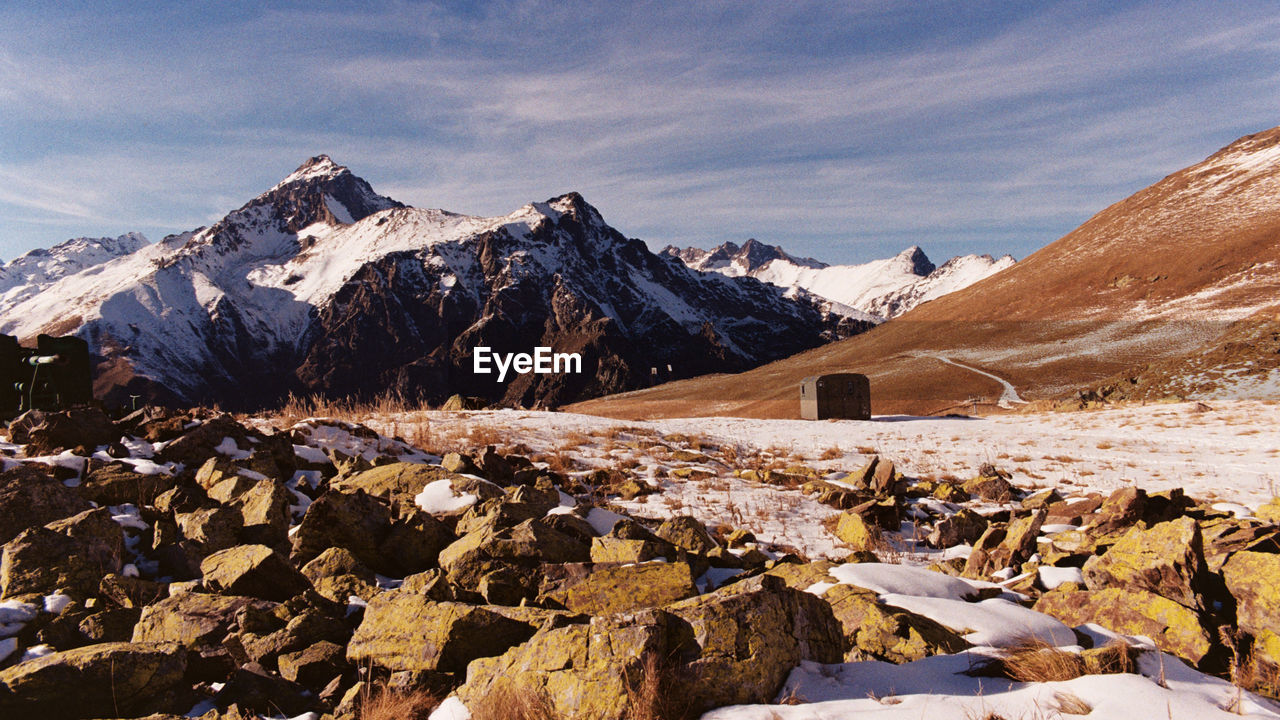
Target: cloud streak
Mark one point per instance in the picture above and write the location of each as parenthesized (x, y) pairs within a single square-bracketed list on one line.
[(843, 134)]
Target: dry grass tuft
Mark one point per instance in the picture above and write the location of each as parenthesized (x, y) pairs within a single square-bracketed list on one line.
[(388, 704), (661, 689), (1033, 660), (831, 453), (1070, 704), (507, 702)]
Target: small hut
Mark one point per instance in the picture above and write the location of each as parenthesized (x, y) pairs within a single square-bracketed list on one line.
[(838, 395)]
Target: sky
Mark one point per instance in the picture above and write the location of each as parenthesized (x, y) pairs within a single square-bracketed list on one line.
[(845, 131)]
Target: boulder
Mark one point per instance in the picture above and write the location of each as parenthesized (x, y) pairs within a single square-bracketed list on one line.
[(885, 632), (841, 498), (395, 482), (686, 532), (64, 430), (460, 463), (252, 688), (1121, 509), (43, 561), (610, 589), (1167, 560), (253, 571), (1270, 513), (749, 635), (213, 529), (1007, 546), (1173, 627), (857, 533), (199, 444), (884, 512), (407, 631), (962, 528), (1253, 579), (337, 574), (528, 545), (362, 524), (990, 487), (106, 680), (315, 665), (582, 671), (195, 619), (31, 497), (117, 483), (623, 550)]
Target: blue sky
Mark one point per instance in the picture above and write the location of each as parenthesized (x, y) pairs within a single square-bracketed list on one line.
[(844, 131)]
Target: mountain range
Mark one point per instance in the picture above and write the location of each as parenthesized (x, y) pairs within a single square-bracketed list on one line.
[(322, 286), (1172, 292), (876, 291)]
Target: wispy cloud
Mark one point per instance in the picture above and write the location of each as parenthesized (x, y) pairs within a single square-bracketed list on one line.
[(842, 132)]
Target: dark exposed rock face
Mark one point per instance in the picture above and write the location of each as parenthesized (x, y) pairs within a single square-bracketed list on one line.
[(393, 327)]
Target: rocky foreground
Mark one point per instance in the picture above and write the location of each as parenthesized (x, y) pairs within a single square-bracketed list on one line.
[(185, 564)]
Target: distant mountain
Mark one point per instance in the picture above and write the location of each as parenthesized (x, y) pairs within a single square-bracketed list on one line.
[(1171, 292), (321, 285), (878, 290)]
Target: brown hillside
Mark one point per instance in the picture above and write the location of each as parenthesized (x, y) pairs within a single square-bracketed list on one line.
[(1151, 278)]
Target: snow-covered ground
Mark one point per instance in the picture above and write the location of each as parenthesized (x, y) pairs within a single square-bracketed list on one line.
[(1229, 452)]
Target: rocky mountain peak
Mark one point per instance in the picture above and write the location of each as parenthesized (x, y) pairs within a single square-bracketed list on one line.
[(914, 258)]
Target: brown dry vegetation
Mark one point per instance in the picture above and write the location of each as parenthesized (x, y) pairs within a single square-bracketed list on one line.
[(387, 704), (1156, 246)]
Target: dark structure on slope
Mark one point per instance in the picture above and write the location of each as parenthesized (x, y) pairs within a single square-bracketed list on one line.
[(846, 396), (52, 376)]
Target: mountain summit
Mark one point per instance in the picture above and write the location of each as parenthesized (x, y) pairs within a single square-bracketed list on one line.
[(1171, 292), (321, 285), (873, 291)]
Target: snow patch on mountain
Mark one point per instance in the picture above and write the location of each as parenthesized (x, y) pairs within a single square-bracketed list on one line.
[(880, 289)]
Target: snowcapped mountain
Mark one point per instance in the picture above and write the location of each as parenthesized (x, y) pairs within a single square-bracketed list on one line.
[(877, 290), (320, 285)]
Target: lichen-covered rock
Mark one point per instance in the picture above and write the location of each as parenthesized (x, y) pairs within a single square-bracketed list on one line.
[(856, 532), (962, 528), (582, 671), (396, 482), (42, 561), (1228, 536), (460, 463), (836, 496), (1253, 579), (337, 574), (1175, 628), (264, 512), (1270, 513), (992, 488), (749, 635), (1121, 509), (885, 632), (116, 483), (197, 445), (802, 576), (105, 680), (1167, 559), (314, 666), (30, 497), (527, 545), (194, 619), (884, 512), (686, 532), (625, 550), (253, 571), (407, 631), (363, 524), (609, 589), (1001, 547)]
